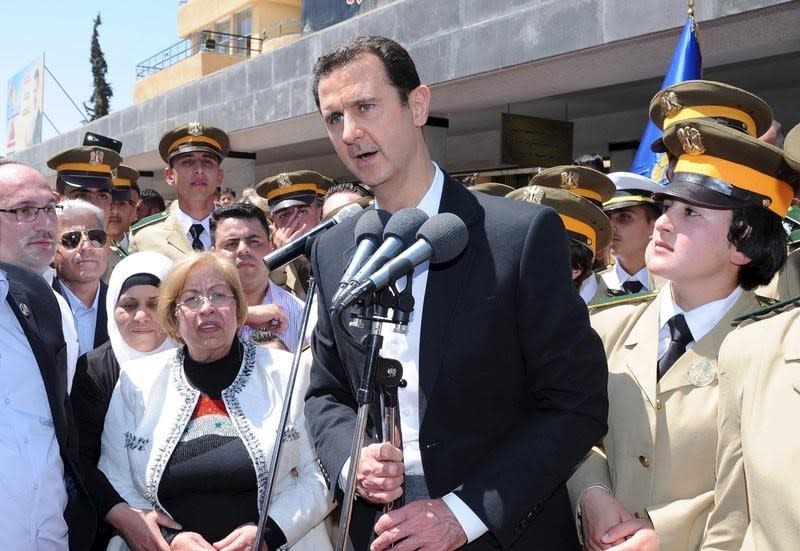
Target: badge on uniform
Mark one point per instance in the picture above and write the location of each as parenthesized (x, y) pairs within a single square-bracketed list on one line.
[(24, 309), (702, 373)]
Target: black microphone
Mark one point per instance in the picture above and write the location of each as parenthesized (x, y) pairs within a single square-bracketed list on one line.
[(368, 235), (440, 239), (399, 234), (296, 248)]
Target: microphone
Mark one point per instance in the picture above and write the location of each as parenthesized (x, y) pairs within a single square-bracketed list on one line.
[(368, 235), (399, 234), (298, 247), (442, 238)]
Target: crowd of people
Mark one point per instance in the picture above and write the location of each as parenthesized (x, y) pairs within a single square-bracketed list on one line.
[(608, 364)]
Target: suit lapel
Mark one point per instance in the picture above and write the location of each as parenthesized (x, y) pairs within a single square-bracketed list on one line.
[(174, 234), (444, 290), (101, 325), (706, 351), (641, 348)]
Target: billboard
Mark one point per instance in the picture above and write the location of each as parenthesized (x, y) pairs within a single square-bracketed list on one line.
[(24, 107)]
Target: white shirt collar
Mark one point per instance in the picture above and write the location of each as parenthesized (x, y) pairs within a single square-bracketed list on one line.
[(701, 320), (3, 286), (589, 288), (49, 275), (186, 221), (76, 304), (642, 276), (429, 203)]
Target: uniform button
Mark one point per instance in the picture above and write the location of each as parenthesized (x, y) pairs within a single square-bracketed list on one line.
[(35, 486), (658, 404), (644, 461)]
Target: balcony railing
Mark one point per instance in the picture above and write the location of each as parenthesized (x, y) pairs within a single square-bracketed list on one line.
[(203, 41)]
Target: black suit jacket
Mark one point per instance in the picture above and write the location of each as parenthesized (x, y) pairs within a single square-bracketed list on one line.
[(101, 326), (512, 382), (42, 327)]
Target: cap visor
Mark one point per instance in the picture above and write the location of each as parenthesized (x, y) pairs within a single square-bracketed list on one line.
[(195, 148), (697, 194), (294, 202), (80, 181)]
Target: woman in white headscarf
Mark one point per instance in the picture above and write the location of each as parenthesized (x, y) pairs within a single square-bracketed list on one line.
[(133, 332)]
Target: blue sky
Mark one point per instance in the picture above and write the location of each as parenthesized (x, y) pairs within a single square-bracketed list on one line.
[(131, 32)]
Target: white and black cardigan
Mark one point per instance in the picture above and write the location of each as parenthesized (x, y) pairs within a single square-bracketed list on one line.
[(152, 404)]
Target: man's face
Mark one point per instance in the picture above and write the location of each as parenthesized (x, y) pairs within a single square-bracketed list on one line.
[(244, 241), (632, 232), (29, 244), (226, 199), (374, 134), (98, 197), (122, 215), (337, 200), (295, 217), (86, 262), (196, 176), (144, 210)]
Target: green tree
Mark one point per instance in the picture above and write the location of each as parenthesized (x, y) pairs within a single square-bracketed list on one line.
[(99, 104)]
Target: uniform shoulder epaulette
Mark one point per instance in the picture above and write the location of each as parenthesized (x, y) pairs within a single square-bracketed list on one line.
[(148, 221), (615, 299), (777, 307)]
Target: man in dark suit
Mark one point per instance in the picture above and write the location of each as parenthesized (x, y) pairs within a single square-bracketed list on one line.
[(506, 380), (36, 337)]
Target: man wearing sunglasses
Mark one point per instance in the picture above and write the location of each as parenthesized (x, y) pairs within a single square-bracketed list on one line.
[(43, 498), (81, 260)]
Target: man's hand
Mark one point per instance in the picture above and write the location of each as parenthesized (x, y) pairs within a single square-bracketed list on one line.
[(140, 528), (428, 525), (638, 533), (380, 473), (240, 539), (290, 230), (266, 317), (190, 541), (600, 511)]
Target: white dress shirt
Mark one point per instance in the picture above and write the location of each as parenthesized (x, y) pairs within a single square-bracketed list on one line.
[(616, 276), (67, 327), (701, 320), (31, 471), (589, 287), (85, 318), (186, 222), (404, 347)]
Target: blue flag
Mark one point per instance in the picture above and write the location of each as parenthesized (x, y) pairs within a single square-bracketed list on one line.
[(686, 64)]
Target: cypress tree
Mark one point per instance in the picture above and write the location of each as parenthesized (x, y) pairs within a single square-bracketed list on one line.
[(99, 104)]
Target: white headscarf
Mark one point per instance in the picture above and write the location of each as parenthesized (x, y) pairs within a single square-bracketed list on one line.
[(145, 262)]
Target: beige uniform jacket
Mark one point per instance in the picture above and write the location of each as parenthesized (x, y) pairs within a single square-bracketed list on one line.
[(166, 237), (662, 436), (758, 494)]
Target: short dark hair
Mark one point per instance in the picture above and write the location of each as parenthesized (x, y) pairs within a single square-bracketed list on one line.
[(593, 160), (582, 259), (269, 337), (400, 68), (152, 198), (759, 234), (236, 210), (228, 190), (348, 187)]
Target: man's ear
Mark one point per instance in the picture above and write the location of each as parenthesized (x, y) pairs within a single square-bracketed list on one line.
[(169, 176), (419, 101)]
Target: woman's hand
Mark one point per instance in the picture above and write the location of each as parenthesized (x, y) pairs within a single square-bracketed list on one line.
[(140, 528), (190, 541), (240, 539), (600, 511)]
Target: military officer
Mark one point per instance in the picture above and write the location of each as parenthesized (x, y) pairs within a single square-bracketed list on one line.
[(124, 197), (588, 228), (718, 238), (194, 153), (85, 172), (756, 494), (632, 212), (295, 200)]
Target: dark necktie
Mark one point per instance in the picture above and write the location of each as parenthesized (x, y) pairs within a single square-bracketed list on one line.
[(632, 286), (195, 232), (680, 336)]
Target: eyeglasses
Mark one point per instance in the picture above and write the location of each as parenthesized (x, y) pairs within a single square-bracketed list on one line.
[(29, 214), (71, 239), (195, 302)]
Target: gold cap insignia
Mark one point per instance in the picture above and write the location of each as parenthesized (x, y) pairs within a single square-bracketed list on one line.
[(95, 157), (669, 103), (569, 180), (24, 309), (533, 194), (691, 140), (284, 181), (113, 172), (195, 129)]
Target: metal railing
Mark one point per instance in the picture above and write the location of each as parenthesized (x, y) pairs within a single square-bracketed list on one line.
[(202, 41)]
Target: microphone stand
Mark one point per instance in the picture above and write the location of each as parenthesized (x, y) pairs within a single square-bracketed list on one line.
[(287, 402)]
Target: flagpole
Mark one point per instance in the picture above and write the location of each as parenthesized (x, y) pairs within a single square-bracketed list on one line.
[(691, 8)]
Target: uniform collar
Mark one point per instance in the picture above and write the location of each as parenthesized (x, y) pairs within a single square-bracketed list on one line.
[(700, 320)]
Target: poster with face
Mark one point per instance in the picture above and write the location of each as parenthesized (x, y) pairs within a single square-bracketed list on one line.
[(24, 103)]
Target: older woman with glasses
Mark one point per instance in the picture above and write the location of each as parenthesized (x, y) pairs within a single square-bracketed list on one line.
[(189, 433)]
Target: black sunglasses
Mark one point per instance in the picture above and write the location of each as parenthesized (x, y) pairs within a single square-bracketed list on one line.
[(71, 239)]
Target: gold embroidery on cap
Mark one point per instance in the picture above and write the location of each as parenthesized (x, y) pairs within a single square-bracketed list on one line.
[(195, 129), (691, 140), (569, 180), (95, 157), (284, 181), (533, 194), (669, 103)]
